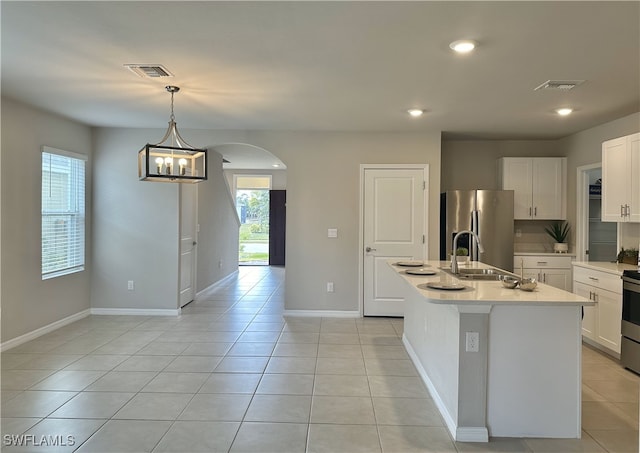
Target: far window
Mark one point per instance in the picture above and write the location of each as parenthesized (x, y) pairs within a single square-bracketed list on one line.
[(63, 212)]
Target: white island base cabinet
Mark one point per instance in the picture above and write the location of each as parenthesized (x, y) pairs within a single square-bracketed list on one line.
[(532, 390), (524, 379)]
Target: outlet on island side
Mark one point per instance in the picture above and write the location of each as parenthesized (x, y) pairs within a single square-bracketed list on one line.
[(329, 287), (472, 341), (130, 285)]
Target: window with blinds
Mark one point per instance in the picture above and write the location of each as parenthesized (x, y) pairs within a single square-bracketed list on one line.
[(63, 212)]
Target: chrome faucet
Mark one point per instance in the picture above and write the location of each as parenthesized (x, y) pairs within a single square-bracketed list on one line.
[(454, 260)]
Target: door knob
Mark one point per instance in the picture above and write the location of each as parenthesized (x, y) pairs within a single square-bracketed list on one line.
[(369, 249)]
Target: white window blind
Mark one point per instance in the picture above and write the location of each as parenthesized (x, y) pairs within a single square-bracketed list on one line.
[(63, 212)]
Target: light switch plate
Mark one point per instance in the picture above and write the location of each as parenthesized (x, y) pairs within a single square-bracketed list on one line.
[(332, 232)]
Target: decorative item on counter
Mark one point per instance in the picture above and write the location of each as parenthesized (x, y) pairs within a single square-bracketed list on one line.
[(462, 254), (628, 256), (528, 284), (559, 232), (509, 282)]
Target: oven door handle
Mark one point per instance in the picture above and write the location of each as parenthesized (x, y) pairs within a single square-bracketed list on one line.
[(628, 281)]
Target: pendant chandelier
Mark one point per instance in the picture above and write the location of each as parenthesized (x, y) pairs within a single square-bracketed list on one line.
[(173, 159)]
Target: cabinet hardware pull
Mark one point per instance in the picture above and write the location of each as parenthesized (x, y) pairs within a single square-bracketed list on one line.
[(621, 210), (529, 211), (593, 278), (628, 210), (542, 262), (535, 211), (590, 295)]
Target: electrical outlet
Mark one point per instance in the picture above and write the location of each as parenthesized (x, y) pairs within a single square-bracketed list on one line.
[(130, 285), (329, 287), (518, 233), (472, 341)]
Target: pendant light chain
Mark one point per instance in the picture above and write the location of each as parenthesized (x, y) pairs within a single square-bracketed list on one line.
[(172, 159), (172, 117)]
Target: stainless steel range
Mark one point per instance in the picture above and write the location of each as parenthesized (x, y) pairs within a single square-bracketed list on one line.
[(630, 349)]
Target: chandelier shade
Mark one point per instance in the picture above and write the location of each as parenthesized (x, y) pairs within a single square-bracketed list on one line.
[(173, 159)]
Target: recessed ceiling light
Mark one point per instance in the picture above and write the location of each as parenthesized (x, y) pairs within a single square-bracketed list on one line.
[(463, 45), (564, 111), (415, 112)]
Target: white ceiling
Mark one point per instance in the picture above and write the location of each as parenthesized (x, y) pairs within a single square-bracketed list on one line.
[(327, 65)]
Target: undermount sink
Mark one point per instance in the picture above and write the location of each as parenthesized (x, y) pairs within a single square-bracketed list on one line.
[(481, 272), (478, 274)]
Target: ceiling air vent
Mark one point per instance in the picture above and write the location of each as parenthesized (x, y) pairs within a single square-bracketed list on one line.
[(149, 70), (562, 85)]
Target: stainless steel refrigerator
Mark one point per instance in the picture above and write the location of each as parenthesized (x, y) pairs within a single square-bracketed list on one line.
[(488, 213)]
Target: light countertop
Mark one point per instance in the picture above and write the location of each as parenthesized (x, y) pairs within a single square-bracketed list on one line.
[(606, 266), (483, 292), (571, 254)]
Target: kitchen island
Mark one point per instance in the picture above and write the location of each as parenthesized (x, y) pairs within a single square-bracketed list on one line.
[(498, 362)]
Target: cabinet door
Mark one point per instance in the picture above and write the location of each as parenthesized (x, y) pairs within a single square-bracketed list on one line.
[(589, 320), (517, 175), (609, 306), (633, 146), (558, 278), (614, 179), (530, 273), (548, 188)]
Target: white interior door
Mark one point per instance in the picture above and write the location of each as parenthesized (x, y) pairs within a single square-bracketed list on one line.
[(188, 216), (393, 228)]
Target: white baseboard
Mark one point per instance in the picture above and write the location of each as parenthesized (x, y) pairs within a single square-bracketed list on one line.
[(220, 282), (136, 311), (43, 330), (322, 313), (469, 434), (465, 434), (601, 348)]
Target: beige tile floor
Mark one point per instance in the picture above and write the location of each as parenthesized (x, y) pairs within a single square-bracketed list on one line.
[(231, 374)]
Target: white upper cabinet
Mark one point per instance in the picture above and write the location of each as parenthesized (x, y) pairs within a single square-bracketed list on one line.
[(539, 185), (620, 179)]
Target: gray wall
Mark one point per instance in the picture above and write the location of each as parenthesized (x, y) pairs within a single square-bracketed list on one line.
[(323, 191), (219, 227), (28, 302), (473, 164), (136, 226)]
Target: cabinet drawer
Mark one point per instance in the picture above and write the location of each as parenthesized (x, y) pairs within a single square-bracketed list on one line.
[(603, 280), (541, 262)]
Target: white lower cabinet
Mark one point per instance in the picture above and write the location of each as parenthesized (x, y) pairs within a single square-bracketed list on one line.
[(601, 322), (552, 270)]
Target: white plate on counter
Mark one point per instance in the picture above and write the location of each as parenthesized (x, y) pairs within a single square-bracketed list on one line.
[(410, 263), (421, 271), (445, 286)]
